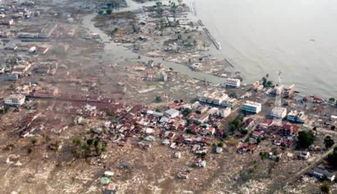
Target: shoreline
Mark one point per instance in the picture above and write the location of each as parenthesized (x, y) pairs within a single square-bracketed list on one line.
[(254, 59), (135, 102), (180, 68)]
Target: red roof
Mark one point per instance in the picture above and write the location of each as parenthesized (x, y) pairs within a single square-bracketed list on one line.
[(268, 121)]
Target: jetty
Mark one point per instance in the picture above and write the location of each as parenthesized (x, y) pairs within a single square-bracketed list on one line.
[(212, 39)]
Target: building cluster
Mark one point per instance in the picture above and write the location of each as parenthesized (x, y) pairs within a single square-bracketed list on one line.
[(20, 45), (217, 98)]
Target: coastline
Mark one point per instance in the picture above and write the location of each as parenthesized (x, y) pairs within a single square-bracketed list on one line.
[(180, 68), (135, 101), (255, 50)]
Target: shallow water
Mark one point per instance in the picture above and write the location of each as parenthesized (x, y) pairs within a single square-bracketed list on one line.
[(116, 53)]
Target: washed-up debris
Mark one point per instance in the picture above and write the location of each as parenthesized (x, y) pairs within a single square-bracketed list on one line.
[(166, 142), (105, 181), (182, 175), (108, 173), (150, 138), (177, 155), (124, 165), (200, 163)]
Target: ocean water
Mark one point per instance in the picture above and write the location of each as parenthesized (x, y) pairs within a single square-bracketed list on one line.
[(296, 37)]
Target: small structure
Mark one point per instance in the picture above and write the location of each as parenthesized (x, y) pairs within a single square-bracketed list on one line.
[(2, 69), (163, 76), (252, 107), (166, 142), (108, 173), (182, 175), (105, 181), (149, 131), (15, 100), (177, 155), (232, 83), (154, 113), (6, 22), (289, 92), (257, 134), (200, 163), (218, 149), (304, 155), (150, 138)]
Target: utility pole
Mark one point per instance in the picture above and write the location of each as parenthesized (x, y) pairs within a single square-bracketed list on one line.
[(278, 99)]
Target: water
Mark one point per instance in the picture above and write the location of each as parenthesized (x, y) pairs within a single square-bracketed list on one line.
[(116, 53), (298, 37)]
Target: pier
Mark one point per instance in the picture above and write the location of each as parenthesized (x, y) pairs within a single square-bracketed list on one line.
[(212, 39)]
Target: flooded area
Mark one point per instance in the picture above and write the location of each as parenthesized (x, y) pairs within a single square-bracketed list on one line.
[(118, 53)]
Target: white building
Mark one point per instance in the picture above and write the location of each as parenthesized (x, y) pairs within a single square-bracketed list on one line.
[(172, 113), (296, 116), (215, 98), (225, 112), (234, 83), (15, 100), (252, 107), (2, 69), (279, 112)]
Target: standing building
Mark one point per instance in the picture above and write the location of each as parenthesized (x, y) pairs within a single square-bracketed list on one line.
[(232, 83), (15, 100), (225, 112), (296, 116), (279, 112), (215, 98), (171, 113), (252, 107)]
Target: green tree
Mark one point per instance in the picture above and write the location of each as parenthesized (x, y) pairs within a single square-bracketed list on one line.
[(328, 142), (233, 95), (332, 100), (109, 11), (110, 113), (159, 8), (158, 99), (263, 155), (224, 135), (33, 140), (77, 141), (332, 158), (305, 139), (266, 83), (236, 124), (186, 112), (269, 84), (325, 187)]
